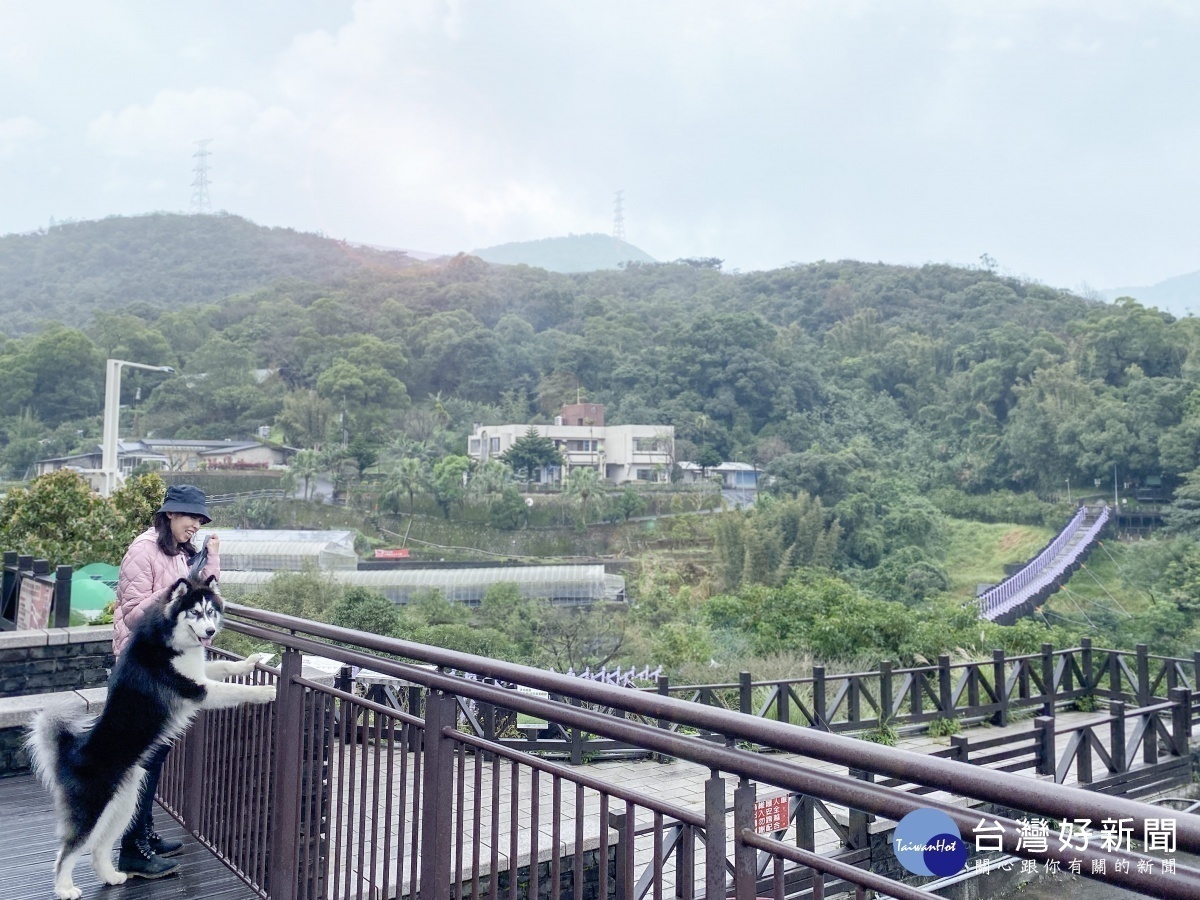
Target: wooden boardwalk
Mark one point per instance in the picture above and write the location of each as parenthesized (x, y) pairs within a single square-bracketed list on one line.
[(25, 810), (677, 782), (27, 823)]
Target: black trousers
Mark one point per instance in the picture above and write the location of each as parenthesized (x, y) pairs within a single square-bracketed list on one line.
[(145, 810)]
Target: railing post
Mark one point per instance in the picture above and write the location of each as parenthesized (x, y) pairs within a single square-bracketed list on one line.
[(1048, 680), (714, 835), (195, 754), (945, 687), (620, 823), (960, 745), (857, 836), (1150, 739), (1047, 760), (1181, 720), (1085, 663), (62, 596), (437, 789), (1143, 675), (1116, 736), (885, 692), (819, 699), (664, 690), (1195, 669), (414, 709), (284, 864), (576, 738), (1000, 684), (745, 858), (745, 694)]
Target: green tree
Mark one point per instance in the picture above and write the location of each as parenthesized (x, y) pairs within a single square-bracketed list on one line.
[(520, 619), (305, 419), (409, 477), (584, 484), (58, 518), (307, 466), (448, 481), (366, 610), (531, 452)]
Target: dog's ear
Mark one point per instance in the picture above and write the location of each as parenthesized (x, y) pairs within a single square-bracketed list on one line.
[(176, 593), (178, 590), (210, 580)]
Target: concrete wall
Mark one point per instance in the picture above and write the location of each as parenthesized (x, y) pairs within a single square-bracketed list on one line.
[(45, 660), (48, 666)]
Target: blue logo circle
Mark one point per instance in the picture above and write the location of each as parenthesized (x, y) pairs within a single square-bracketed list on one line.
[(927, 842)]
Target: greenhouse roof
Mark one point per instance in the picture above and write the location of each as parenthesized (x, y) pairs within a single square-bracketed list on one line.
[(272, 550), (562, 584)]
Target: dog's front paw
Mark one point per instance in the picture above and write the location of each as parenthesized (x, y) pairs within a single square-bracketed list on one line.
[(69, 892), (114, 878), (259, 659), (262, 693)]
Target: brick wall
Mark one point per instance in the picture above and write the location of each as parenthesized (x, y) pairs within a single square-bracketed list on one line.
[(47, 660)]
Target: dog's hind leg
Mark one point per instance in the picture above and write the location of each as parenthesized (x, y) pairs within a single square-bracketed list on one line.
[(112, 824), (64, 867)]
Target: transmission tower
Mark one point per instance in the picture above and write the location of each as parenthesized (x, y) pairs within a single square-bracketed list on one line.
[(618, 216), (201, 204)]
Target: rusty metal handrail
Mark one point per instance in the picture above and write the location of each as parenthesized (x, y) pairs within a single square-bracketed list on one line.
[(997, 787), (846, 790)]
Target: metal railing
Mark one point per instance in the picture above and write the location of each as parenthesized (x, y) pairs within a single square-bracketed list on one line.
[(338, 792)]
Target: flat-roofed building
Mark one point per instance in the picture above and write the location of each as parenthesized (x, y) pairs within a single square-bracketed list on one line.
[(620, 453)]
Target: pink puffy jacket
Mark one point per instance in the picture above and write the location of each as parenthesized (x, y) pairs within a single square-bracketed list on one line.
[(145, 573)]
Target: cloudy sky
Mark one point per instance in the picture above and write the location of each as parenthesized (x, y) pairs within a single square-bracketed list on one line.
[(1061, 138)]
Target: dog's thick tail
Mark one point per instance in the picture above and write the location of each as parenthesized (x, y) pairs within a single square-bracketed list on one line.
[(53, 736)]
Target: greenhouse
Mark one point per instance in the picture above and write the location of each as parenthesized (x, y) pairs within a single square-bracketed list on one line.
[(255, 550), (565, 585)]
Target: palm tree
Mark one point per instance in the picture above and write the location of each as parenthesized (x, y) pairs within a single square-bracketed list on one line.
[(410, 476), (583, 483), (306, 465), (490, 479)]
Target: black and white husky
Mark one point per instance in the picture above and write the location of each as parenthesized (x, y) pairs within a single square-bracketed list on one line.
[(93, 768)]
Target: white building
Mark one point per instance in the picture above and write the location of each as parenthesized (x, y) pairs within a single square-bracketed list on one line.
[(733, 475), (620, 453)]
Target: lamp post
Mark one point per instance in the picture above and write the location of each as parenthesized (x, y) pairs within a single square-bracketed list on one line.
[(110, 474)]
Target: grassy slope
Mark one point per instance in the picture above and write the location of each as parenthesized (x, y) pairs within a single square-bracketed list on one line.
[(977, 552), (1109, 580)]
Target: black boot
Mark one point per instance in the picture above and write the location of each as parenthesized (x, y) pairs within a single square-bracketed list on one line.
[(160, 845), (138, 859)]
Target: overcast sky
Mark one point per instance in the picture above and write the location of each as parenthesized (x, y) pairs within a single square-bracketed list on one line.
[(1061, 138)]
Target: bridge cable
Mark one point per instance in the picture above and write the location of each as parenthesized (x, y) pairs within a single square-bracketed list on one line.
[(1082, 599), (1105, 589), (1149, 596)]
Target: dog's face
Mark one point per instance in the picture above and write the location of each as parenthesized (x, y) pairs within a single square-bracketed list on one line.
[(195, 608)]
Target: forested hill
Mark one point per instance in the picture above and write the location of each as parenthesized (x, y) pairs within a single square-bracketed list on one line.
[(573, 253), (860, 383), (163, 260)]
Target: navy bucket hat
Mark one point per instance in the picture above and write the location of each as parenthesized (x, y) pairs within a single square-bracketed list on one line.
[(186, 498)]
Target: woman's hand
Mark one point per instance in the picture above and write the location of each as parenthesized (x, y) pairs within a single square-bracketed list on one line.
[(214, 544)]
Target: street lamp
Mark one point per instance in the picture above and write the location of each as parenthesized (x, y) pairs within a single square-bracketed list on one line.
[(110, 475)]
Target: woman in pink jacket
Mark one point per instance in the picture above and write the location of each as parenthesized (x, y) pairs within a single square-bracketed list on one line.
[(155, 560)]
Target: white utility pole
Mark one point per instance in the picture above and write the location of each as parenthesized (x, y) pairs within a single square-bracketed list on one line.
[(110, 473)]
